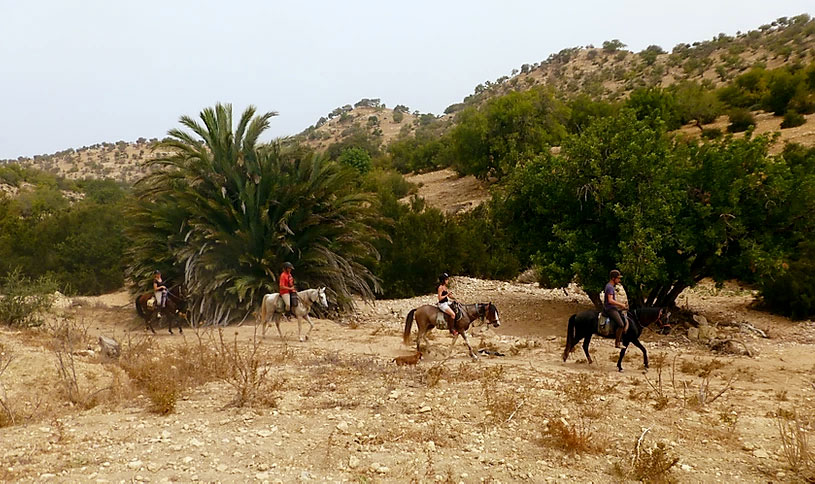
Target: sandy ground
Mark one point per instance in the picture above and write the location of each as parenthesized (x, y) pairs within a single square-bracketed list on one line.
[(449, 192), (345, 413)]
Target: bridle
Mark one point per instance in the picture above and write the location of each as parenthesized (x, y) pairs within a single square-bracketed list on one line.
[(482, 310)]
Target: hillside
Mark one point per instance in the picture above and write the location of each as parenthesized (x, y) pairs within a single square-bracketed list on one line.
[(612, 72), (608, 72)]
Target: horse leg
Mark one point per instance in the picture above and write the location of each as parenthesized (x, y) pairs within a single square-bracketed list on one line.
[(170, 323), (455, 338), (586, 342), (310, 327), (299, 327), (276, 319), (473, 354), (622, 354), (149, 320), (644, 353), (420, 332)]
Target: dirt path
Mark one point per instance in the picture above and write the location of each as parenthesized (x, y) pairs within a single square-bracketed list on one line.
[(345, 413)]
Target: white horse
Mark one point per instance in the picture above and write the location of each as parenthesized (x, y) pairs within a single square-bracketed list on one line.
[(273, 306)]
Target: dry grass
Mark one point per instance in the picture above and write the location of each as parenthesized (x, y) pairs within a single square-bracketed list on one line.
[(69, 337), (248, 373), (571, 437), (651, 465), (792, 431), (7, 416)]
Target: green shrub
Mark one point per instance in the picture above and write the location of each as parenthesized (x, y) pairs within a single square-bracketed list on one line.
[(740, 120), (711, 133), (356, 158), (24, 300), (792, 119), (398, 116), (792, 292)]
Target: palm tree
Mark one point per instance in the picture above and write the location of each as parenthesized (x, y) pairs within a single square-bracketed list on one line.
[(227, 211)]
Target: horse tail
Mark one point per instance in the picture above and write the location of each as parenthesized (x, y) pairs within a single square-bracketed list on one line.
[(139, 308), (408, 326), (263, 309), (571, 336)]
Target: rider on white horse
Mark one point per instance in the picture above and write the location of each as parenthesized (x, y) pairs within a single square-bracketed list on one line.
[(286, 281)]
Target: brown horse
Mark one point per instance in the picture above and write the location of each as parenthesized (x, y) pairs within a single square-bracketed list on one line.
[(173, 309), (426, 320)]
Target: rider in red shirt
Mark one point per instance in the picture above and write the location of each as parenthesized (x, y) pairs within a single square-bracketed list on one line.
[(287, 285)]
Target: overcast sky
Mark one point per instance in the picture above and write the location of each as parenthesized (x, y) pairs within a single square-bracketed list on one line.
[(75, 73)]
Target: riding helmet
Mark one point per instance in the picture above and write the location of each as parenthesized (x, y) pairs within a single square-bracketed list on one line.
[(156, 272), (288, 265), (444, 276), (614, 274)]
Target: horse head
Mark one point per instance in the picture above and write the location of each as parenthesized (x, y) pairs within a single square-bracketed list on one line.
[(492, 315), (664, 321), (321, 297)]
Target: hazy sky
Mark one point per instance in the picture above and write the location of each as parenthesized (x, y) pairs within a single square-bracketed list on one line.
[(75, 73)]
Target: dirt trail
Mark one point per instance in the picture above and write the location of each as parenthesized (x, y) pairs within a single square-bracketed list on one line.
[(346, 413)]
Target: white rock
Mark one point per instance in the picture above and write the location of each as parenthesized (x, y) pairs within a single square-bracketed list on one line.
[(187, 460), (196, 443), (761, 454), (264, 433), (431, 446), (134, 464), (425, 409), (342, 426), (353, 462), (262, 476)]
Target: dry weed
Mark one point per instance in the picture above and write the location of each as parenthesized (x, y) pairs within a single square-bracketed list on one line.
[(68, 338), (795, 445), (247, 373), (573, 437), (701, 368), (7, 416), (652, 465)]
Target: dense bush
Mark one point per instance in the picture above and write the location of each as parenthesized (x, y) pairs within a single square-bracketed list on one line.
[(425, 149), (740, 120), (492, 140), (423, 242), (24, 300), (792, 119), (791, 291), (655, 105), (356, 158), (78, 245)]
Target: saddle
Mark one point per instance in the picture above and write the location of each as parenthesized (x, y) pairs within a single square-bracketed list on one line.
[(441, 317), (281, 306), (606, 326)]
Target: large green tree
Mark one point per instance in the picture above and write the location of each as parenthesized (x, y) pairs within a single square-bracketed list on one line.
[(224, 212), (625, 195)]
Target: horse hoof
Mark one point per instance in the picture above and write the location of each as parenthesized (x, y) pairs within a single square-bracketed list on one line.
[(620, 370)]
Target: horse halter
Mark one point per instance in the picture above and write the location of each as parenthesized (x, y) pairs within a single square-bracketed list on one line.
[(483, 311)]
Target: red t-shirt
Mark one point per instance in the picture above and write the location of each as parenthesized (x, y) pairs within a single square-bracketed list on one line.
[(286, 280)]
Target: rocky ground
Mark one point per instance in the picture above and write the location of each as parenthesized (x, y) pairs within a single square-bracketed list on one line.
[(337, 409)]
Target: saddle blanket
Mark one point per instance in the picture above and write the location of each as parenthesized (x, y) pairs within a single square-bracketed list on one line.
[(281, 306), (605, 326), (441, 322)]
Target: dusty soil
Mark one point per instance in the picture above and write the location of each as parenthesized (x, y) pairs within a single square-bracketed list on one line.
[(447, 191), (344, 412)]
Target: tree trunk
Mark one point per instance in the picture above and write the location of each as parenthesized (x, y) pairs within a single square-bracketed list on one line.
[(595, 299)]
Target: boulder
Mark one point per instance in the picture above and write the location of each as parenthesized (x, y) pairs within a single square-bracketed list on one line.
[(707, 332), (693, 334), (110, 347)]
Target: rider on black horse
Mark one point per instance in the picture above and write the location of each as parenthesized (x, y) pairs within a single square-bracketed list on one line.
[(612, 307), (159, 290)]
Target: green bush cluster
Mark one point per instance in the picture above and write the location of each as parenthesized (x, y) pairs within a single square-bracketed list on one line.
[(79, 245), (24, 300)]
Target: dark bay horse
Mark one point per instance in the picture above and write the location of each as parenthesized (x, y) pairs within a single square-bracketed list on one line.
[(585, 324), (426, 315), (173, 309)]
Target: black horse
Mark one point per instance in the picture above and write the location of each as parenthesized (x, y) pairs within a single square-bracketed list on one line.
[(585, 324), (173, 310)]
